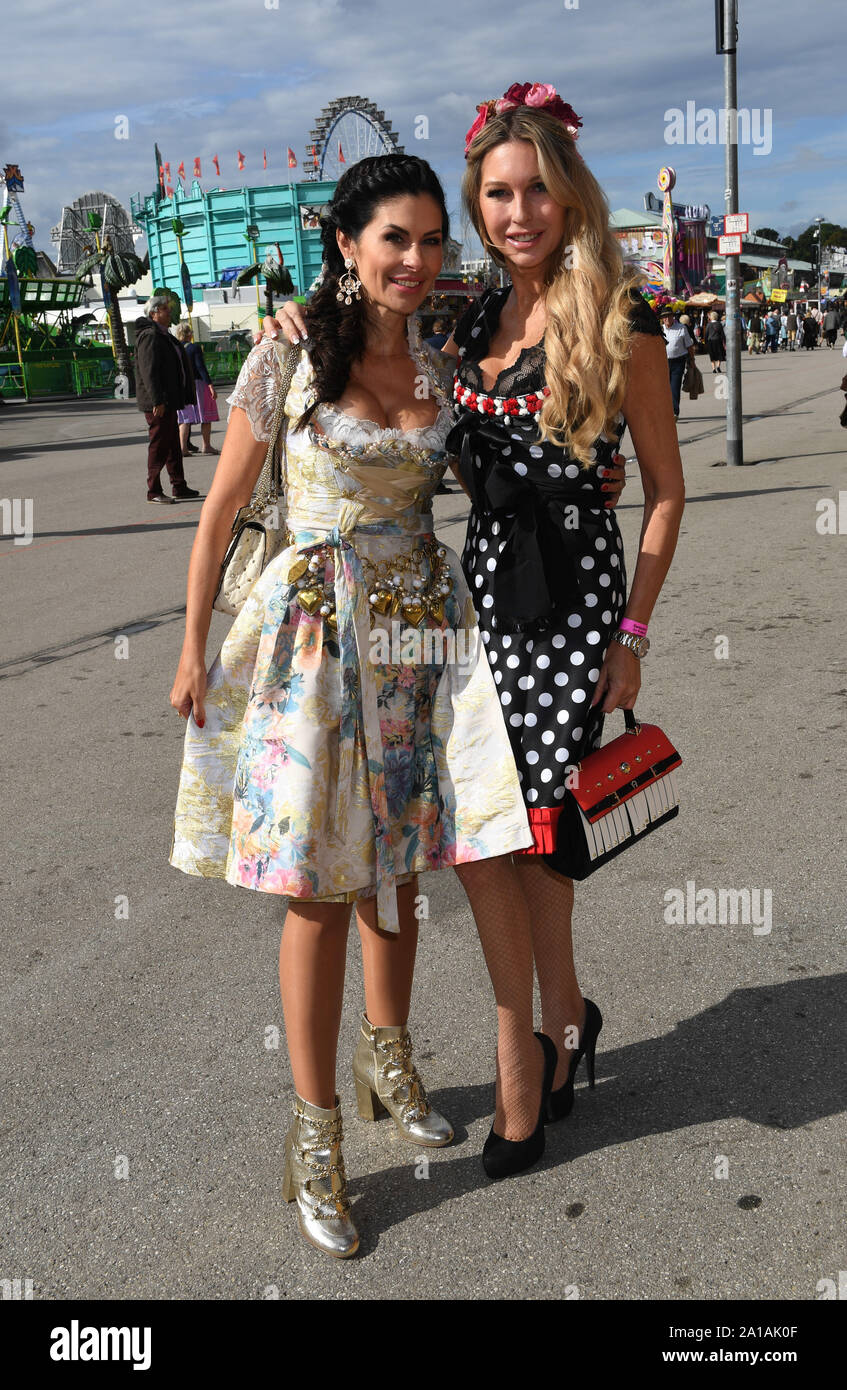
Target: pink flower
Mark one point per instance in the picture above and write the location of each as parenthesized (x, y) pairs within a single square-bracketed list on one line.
[(539, 93)]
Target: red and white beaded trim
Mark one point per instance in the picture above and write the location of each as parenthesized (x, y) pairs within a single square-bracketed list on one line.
[(530, 404)]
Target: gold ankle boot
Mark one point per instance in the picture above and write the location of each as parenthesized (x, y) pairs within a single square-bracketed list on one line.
[(387, 1080), (315, 1179)]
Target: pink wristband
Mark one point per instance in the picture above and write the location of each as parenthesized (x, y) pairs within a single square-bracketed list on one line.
[(639, 629)]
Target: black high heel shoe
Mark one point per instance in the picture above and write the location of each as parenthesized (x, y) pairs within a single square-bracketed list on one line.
[(560, 1103), (503, 1157)]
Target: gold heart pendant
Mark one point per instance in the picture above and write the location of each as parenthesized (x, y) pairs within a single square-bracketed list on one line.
[(309, 600), (382, 604), (414, 610)]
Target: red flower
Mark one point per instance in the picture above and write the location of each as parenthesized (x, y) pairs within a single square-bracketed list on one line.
[(514, 97), (488, 406), (484, 110)]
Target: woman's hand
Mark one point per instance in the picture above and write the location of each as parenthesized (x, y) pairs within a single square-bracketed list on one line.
[(615, 476), (619, 681), (213, 393), (188, 693), (289, 322)]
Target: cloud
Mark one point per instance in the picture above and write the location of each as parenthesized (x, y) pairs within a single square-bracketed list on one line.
[(209, 78)]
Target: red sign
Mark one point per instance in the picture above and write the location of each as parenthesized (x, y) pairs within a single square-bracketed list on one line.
[(729, 245)]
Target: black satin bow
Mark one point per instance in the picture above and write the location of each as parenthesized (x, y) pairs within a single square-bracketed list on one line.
[(539, 570)]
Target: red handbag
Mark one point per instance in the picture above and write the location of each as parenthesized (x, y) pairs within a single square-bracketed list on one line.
[(616, 796)]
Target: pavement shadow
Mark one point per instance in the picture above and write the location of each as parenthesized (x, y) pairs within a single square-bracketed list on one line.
[(772, 1055), (104, 441), (730, 496)]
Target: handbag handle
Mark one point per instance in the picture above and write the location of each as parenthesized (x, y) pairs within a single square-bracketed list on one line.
[(270, 481), (632, 724)]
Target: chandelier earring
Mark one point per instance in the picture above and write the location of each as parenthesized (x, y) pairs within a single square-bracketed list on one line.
[(348, 284)]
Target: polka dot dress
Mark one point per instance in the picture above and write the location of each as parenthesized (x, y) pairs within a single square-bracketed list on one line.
[(545, 671)]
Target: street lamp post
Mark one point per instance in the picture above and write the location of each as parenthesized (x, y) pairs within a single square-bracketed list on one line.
[(726, 38)]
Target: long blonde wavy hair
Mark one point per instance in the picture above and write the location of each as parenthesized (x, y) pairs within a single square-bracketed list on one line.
[(587, 341)]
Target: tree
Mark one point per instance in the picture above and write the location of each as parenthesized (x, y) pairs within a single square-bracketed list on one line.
[(768, 233), (118, 270), (806, 245), (276, 276)]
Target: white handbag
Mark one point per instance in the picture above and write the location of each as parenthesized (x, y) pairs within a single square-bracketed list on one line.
[(257, 533)]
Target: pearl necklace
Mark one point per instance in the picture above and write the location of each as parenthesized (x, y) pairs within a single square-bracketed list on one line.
[(486, 404)]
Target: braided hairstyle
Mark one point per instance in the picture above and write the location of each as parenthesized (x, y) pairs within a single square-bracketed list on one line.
[(337, 330)]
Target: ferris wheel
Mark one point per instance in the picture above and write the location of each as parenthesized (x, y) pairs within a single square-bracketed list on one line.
[(347, 130)]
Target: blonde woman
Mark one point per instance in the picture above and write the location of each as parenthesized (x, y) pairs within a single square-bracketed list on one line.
[(204, 410), (550, 370), (715, 339)]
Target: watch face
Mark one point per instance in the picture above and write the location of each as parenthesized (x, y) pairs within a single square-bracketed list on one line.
[(639, 646)]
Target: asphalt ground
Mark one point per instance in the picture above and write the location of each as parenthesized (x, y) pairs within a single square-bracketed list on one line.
[(146, 1085)]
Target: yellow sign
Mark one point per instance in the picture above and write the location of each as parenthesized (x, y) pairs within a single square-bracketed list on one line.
[(779, 296)]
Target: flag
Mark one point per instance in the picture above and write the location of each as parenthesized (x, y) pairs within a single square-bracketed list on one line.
[(162, 177), (264, 159), (167, 170), (170, 190), (240, 160), (341, 158), (197, 173), (180, 173), (217, 165), (161, 173), (292, 158)]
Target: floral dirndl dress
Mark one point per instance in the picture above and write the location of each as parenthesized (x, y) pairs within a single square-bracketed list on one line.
[(353, 735)]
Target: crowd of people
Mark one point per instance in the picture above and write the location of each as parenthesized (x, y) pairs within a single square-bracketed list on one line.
[(779, 328)]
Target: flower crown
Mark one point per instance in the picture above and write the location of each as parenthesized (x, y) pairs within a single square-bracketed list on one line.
[(539, 95)]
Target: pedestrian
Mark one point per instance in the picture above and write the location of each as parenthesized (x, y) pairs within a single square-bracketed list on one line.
[(204, 411), (791, 329), (439, 334), (715, 339), (164, 384), (680, 347), (810, 332), (754, 336), (772, 331), (551, 597), (783, 330), (830, 326)]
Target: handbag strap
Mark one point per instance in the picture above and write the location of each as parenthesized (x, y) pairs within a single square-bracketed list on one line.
[(270, 481)]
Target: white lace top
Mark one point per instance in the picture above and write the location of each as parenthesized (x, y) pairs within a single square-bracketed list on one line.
[(256, 388)]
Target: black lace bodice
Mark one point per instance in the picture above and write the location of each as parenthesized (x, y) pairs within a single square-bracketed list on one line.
[(477, 326)]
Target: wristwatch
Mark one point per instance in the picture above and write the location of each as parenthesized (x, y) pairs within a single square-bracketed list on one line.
[(639, 646)]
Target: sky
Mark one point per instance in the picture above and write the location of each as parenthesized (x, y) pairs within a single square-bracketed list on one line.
[(212, 78)]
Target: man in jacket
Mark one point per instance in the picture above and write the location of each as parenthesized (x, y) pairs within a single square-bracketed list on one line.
[(164, 384)]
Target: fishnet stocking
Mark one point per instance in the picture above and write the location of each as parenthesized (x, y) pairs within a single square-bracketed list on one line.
[(549, 898), (502, 920)]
